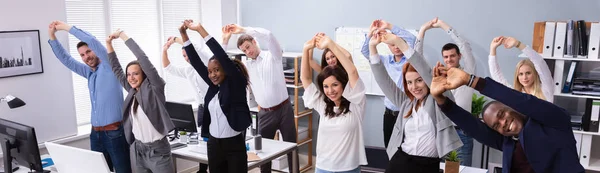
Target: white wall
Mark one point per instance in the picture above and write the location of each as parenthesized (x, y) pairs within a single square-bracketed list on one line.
[(49, 96)]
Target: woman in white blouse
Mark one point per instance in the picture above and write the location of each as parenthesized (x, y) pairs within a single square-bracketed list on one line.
[(422, 133), (339, 97), (532, 76)]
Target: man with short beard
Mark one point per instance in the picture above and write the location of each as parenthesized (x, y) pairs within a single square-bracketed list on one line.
[(107, 134)]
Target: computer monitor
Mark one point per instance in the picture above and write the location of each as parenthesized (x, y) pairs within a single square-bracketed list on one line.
[(19, 143), (69, 159), (182, 116)]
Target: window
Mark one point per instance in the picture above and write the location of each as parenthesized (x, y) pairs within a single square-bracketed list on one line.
[(149, 22)]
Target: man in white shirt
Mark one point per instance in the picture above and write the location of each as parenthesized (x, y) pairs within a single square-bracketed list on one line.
[(188, 72), (451, 54), (267, 82)]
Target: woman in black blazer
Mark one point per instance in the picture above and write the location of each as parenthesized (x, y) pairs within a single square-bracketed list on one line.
[(226, 113)]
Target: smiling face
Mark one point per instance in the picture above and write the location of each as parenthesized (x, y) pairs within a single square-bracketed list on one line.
[(330, 58), (525, 75), (135, 75), (503, 119), (416, 85), (88, 56), (333, 89), (215, 72), (451, 58)]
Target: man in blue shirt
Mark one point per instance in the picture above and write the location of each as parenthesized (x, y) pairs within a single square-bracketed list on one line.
[(393, 63), (106, 94)]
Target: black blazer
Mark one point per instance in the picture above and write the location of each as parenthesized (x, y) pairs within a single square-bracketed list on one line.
[(232, 92)]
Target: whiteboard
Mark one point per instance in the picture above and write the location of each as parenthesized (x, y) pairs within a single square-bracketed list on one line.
[(352, 39)]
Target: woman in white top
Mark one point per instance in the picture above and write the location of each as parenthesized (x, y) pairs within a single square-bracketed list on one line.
[(145, 117), (532, 75), (339, 97), (422, 133)]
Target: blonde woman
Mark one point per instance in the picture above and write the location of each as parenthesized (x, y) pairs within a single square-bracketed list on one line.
[(532, 76)]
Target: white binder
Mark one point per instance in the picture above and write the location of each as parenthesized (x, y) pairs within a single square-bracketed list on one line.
[(549, 39), (594, 41), (559, 66), (559, 39), (586, 146)]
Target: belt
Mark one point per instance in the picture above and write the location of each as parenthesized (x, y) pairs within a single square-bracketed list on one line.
[(276, 106), (113, 126)]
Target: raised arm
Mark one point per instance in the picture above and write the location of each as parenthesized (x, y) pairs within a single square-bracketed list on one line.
[(421, 36), (324, 41), (305, 72), (193, 56), (86, 37), (388, 86), (63, 55), (540, 67), (495, 72), (415, 58), (313, 64), (218, 52), (114, 63), (261, 34)]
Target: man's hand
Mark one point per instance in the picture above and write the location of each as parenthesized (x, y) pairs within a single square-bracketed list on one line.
[(323, 41), (113, 36), (429, 24), (439, 83), (236, 29), (194, 25), (375, 40), (60, 25), (310, 44), (52, 31), (438, 23), (169, 42), (389, 38), (456, 77), (385, 25), (227, 31), (510, 42)]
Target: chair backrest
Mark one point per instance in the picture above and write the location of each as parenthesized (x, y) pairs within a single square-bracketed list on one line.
[(69, 159)]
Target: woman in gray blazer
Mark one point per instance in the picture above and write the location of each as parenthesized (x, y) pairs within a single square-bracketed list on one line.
[(422, 133), (145, 118)]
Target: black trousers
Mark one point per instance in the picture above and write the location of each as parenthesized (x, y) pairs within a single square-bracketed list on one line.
[(227, 154), (282, 119), (202, 167), (402, 162), (389, 120)]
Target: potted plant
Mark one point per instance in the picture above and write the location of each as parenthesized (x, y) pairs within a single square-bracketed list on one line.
[(452, 163), (183, 138), (477, 105)]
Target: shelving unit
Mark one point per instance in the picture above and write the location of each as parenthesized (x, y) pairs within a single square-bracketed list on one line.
[(299, 110)]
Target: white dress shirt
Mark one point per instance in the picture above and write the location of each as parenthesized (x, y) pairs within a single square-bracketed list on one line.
[(419, 135), (188, 72), (340, 144), (266, 71), (142, 128), (540, 67), (219, 126)]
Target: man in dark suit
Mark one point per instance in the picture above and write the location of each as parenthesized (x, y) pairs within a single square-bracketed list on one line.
[(534, 135)]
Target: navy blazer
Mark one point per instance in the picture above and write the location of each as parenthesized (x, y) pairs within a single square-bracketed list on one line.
[(547, 138), (232, 92)]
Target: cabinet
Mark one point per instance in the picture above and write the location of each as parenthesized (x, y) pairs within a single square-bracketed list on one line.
[(303, 117)]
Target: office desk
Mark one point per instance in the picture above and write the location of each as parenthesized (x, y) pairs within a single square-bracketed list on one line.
[(466, 169), (271, 149)]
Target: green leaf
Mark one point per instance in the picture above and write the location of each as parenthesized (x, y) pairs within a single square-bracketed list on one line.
[(452, 156)]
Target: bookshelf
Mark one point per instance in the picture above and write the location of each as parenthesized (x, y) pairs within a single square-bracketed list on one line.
[(304, 134)]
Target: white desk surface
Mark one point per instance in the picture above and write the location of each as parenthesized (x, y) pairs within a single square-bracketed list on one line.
[(271, 149), (466, 169)]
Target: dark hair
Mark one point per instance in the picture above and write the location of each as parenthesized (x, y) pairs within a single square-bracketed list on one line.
[(240, 67), (324, 60), (243, 39), (341, 75), (81, 43), (486, 106), (135, 62), (450, 46)]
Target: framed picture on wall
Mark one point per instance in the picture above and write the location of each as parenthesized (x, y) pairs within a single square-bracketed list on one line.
[(20, 53)]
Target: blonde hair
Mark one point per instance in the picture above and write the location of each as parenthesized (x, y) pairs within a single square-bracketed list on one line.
[(537, 83)]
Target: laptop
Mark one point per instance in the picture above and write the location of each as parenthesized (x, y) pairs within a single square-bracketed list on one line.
[(76, 160)]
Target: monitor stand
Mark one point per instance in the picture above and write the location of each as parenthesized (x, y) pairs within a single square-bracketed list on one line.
[(8, 167), (174, 136)]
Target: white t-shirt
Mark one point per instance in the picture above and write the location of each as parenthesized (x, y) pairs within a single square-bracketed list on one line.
[(419, 135), (142, 128), (340, 145)]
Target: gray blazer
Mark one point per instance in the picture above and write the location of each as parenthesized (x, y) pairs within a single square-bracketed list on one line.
[(446, 138), (151, 94)]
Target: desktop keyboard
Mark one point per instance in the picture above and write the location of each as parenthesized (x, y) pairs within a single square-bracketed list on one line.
[(177, 146)]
